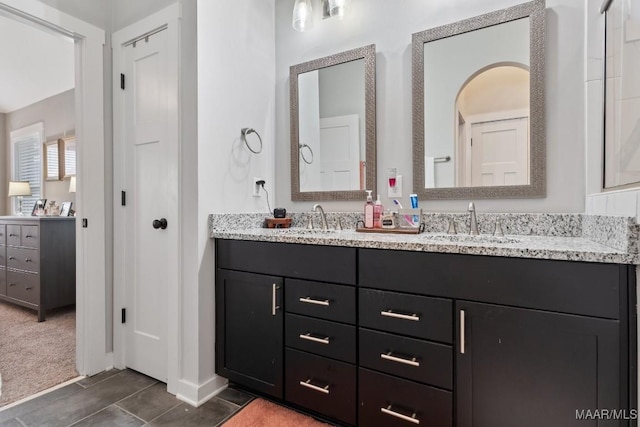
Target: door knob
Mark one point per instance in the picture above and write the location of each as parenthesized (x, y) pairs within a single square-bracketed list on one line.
[(160, 223)]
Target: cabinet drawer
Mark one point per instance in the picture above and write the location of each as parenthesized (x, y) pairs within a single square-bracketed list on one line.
[(322, 385), (321, 337), (3, 234), (313, 262), (417, 360), (322, 300), (13, 235), (23, 259), (23, 286), (30, 236), (421, 317), (3, 256), (387, 401), (3, 281)]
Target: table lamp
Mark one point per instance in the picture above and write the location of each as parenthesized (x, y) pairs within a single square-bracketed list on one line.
[(19, 189), (72, 184)]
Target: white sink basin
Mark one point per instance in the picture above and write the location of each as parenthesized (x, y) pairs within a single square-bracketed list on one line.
[(468, 238)]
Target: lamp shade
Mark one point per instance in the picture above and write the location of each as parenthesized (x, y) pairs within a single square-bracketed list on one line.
[(302, 18), (72, 185), (19, 188)]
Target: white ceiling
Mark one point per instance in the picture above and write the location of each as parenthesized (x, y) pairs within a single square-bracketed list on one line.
[(34, 64)]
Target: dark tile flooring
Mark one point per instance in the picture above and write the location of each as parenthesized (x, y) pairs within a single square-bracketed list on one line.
[(120, 398)]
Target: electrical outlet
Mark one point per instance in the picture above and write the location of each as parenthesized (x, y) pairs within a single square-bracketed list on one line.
[(395, 192), (257, 188)]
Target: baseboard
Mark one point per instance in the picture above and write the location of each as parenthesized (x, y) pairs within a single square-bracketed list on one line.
[(196, 395)]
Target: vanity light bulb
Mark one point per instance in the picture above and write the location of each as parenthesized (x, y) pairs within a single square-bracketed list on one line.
[(337, 8), (302, 18)]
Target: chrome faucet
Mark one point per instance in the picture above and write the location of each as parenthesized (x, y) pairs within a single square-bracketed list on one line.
[(325, 226), (473, 227)]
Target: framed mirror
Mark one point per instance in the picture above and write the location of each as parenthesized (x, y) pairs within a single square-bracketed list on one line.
[(53, 169), (479, 106), (68, 151), (333, 126)]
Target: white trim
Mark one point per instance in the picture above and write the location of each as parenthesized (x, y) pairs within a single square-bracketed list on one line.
[(90, 195), (40, 393), (196, 395), (168, 17)]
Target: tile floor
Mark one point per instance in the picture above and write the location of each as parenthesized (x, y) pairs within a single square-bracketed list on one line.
[(120, 398)]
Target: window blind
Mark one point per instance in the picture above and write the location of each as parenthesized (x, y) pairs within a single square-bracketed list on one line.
[(27, 166)]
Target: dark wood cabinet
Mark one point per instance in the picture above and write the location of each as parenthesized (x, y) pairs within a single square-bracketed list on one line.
[(38, 262), (249, 330), (536, 367), (376, 337)]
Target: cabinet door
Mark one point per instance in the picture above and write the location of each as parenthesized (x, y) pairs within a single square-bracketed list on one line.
[(532, 368), (249, 330)]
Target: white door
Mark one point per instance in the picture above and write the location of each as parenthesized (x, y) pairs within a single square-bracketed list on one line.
[(146, 107), (500, 153), (340, 153)]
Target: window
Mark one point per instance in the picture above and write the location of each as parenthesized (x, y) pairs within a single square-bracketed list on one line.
[(26, 149)]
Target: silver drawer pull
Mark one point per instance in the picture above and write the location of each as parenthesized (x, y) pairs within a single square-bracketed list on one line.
[(308, 384), (28, 236), (13, 235), (11, 285), (310, 300), (390, 313), (29, 288), (462, 337), (310, 337), (274, 297), (27, 260), (411, 419), (389, 356), (11, 258)]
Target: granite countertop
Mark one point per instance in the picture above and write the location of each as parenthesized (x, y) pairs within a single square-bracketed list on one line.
[(571, 237)]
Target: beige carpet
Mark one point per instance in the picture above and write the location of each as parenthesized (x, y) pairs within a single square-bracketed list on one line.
[(35, 356), (262, 413)]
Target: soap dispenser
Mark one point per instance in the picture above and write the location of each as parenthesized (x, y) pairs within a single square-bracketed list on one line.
[(368, 211), (378, 210)]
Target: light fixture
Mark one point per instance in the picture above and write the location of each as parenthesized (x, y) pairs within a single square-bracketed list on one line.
[(337, 8), (19, 189), (302, 18), (72, 184)]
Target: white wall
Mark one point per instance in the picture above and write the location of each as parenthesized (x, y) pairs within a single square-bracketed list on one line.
[(236, 71), (390, 26), (58, 114)]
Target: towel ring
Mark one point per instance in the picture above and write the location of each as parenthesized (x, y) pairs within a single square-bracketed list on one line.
[(307, 161), (245, 132)]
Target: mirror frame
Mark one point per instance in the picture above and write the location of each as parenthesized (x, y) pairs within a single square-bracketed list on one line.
[(63, 155), (368, 53), (57, 176), (535, 11)]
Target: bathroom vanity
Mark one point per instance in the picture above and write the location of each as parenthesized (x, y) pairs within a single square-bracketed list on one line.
[(374, 332)]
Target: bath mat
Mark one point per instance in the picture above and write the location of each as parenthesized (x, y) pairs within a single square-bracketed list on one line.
[(262, 413)]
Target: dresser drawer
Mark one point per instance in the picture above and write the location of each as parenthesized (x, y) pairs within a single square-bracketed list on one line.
[(321, 337), (13, 235), (30, 236), (416, 360), (3, 281), (322, 385), (23, 259), (387, 401), (3, 234), (322, 300), (3, 256), (23, 286), (421, 317)]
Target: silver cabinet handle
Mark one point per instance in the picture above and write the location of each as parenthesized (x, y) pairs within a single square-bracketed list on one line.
[(310, 337), (11, 285), (27, 260), (308, 384), (390, 313), (28, 288), (391, 357), (461, 331), (274, 297), (411, 419), (310, 300), (28, 236), (11, 258)]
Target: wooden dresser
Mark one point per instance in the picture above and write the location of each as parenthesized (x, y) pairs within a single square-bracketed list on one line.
[(38, 262)]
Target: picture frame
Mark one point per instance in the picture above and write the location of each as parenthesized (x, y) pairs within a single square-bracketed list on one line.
[(39, 202), (65, 208)]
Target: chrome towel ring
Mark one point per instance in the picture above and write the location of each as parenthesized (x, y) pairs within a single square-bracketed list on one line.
[(307, 161), (245, 132)]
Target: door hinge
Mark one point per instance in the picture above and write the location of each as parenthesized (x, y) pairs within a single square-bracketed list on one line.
[(123, 198), (124, 315), (85, 222), (472, 142), (121, 81)]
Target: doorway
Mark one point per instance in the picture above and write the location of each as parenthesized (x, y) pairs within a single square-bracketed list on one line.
[(88, 41)]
